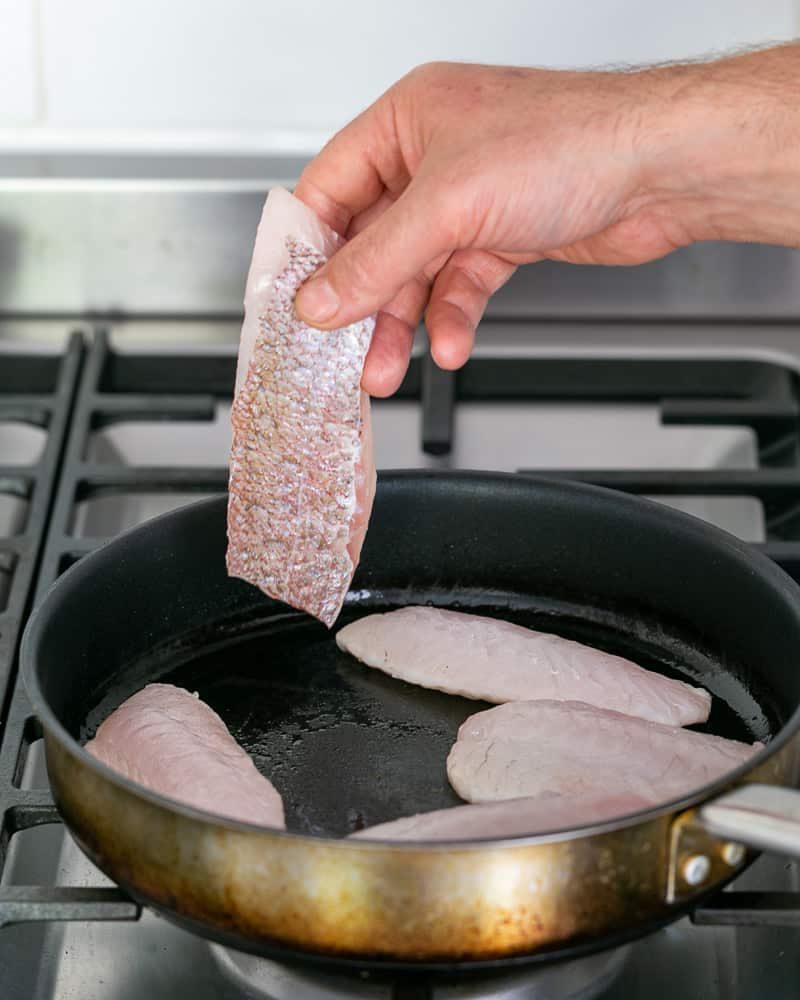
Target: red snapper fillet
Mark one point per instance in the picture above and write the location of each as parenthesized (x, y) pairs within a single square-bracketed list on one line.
[(510, 818), (535, 748), (492, 660), (168, 740), (302, 476)]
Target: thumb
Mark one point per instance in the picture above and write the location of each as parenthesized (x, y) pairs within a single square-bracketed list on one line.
[(369, 270)]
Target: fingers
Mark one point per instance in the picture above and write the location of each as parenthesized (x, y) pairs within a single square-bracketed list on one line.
[(369, 270), (368, 215), (388, 356), (458, 300), (460, 293), (354, 168), (390, 350), (393, 338)]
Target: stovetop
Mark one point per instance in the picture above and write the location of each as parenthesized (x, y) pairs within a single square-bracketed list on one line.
[(111, 426)]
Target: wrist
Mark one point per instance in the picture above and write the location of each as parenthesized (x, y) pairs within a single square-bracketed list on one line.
[(723, 160)]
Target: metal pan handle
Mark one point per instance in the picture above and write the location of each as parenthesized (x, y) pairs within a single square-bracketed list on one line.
[(709, 844), (765, 817)]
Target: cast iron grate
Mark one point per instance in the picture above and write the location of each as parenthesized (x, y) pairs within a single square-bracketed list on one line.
[(37, 389), (115, 386)]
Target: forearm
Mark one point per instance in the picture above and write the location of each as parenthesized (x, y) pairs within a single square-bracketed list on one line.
[(460, 173), (723, 152)]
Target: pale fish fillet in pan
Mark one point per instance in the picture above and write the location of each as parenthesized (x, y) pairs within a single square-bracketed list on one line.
[(169, 741), (511, 818), (492, 660), (533, 748), (302, 477)]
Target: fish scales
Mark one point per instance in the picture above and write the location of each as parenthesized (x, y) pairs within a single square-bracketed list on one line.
[(300, 420)]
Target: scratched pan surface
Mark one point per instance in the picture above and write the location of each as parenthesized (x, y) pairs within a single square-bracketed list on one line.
[(348, 747)]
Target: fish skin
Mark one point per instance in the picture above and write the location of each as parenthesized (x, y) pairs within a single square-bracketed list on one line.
[(282, 217), (508, 818), (171, 742), (302, 475), (488, 659), (534, 748)]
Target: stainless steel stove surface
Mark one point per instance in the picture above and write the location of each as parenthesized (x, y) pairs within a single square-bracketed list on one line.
[(701, 415)]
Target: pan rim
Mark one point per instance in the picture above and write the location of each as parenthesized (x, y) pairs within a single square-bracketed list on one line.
[(683, 522)]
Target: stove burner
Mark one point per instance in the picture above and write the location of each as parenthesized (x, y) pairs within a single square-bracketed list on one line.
[(581, 979)]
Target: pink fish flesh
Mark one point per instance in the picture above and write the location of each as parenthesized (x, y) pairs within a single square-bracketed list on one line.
[(534, 748), (492, 660), (168, 740), (510, 818), (302, 476)]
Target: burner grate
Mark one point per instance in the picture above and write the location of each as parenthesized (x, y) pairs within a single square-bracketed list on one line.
[(36, 390), (109, 386), (112, 387)]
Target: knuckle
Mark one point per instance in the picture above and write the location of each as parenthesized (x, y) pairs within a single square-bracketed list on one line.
[(357, 269), (429, 70), (452, 213), (429, 75), (485, 271)]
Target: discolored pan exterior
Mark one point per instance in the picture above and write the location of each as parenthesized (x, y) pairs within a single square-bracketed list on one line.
[(377, 901), (271, 892)]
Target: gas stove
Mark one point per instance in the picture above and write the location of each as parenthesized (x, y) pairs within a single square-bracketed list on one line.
[(111, 416)]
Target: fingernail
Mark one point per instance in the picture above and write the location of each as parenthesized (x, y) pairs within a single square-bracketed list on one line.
[(317, 301)]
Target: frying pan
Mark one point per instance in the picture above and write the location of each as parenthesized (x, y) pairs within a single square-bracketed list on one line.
[(349, 747)]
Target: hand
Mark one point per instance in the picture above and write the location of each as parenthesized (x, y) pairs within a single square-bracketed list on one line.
[(460, 173)]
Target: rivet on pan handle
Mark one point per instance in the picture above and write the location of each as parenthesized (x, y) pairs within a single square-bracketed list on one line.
[(710, 843), (697, 859)]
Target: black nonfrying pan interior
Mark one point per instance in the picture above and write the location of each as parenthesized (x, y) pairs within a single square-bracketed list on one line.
[(349, 747)]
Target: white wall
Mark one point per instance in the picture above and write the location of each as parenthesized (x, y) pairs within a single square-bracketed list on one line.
[(280, 75)]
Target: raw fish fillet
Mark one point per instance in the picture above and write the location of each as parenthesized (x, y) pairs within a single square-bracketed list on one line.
[(168, 740), (302, 477), (511, 818), (497, 661), (534, 748)]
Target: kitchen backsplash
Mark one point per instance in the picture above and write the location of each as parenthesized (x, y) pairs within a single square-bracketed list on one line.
[(260, 76)]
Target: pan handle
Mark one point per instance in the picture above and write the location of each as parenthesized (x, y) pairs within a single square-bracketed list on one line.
[(765, 817), (709, 844)]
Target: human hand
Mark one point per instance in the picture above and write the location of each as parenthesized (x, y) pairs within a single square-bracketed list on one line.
[(460, 173)]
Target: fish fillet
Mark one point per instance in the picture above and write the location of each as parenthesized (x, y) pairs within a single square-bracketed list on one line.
[(534, 748), (497, 661), (302, 476), (510, 818), (168, 740)]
